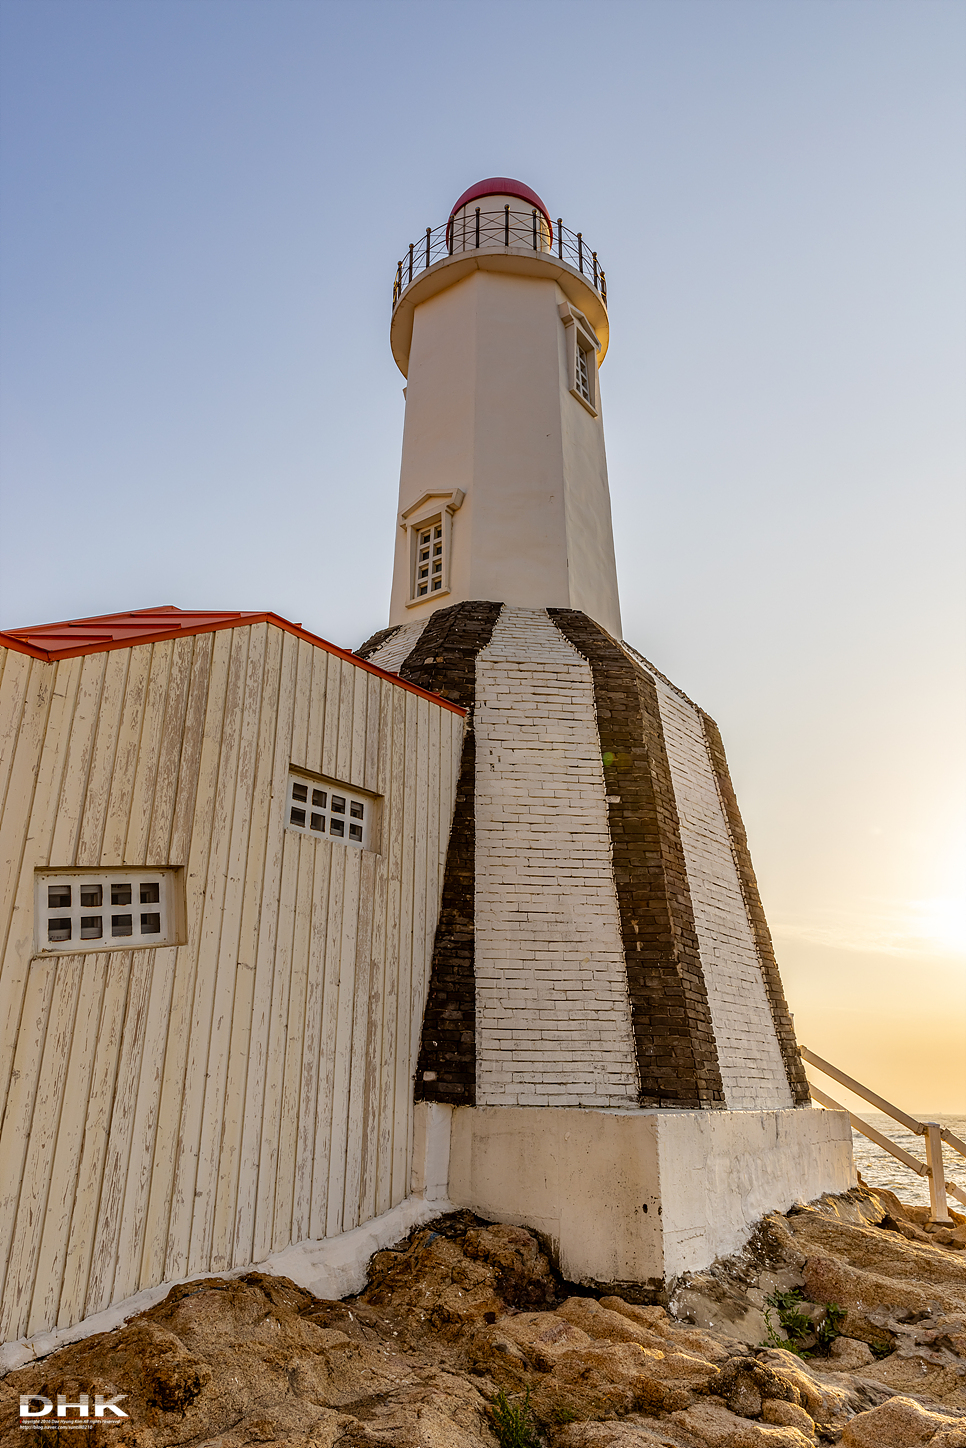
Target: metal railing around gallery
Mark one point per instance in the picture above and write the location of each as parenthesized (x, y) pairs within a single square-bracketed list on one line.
[(491, 230), (932, 1168)]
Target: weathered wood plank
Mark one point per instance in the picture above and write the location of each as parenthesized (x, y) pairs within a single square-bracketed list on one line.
[(223, 737), (312, 1045), (402, 1092), (292, 1046), (373, 1053), (209, 668), (132, 1242), (237, 778), (18, 1113), (38, 1161), (347, 713), (358, 1083), (17, 926), (303, 699), (178, 749), (66, 1150), (263, 809), (120, 1141), (146, 781), (97, 796), (394, 778), (127, 750), (316, 721), (343, 1043), (115, 966), (327, 1053), (83, 732), (243, 1246), (275, 1055), (14, 683)]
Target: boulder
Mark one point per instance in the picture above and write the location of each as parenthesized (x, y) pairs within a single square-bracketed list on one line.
[(899, 1423)]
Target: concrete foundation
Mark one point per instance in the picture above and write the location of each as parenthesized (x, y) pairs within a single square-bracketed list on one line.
[(628, 1196)]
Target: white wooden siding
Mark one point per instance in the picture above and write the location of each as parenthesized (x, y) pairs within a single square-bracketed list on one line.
[(195, 1108)]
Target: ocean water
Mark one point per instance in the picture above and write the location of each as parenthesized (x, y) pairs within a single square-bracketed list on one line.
[(879, 1169)]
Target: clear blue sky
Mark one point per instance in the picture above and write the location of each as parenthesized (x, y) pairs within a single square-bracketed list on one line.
[(203, 204)]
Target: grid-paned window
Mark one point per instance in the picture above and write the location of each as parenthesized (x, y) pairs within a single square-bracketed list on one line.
[(105, 910), (315, 807), (429, 560)]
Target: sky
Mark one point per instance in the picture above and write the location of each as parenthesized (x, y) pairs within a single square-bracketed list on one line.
[(203, 203)]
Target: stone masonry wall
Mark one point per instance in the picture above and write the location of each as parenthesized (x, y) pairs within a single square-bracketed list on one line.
[(752, 1069), (442, 657), (552, 1011)]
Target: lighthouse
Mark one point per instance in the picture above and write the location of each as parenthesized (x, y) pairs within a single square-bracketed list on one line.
[(606, 1053)]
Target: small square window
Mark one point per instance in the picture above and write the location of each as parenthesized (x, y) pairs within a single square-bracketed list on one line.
[(84, 926), (327, 815)]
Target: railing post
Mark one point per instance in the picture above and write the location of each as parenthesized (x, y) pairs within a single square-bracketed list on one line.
[(410, 261), (560, 238), (452, 233), (477, 226), (937, 1174), (398, 281), (595, 270), (580, 251), (534, 230), (428, 234), (506, 226)]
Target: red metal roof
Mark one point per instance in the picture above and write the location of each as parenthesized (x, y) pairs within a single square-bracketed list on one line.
[(502, 186), (52, 641)]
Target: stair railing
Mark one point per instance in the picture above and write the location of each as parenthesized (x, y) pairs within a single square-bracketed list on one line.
[(932, 1169)]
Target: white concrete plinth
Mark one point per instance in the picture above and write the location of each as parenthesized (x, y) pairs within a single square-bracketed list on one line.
[(637, 1196)]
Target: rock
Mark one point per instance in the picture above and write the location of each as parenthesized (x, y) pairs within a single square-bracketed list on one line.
[(745, 1383), (848, 1355), (599, 1321), (787, 1415), (899, 1423), (655, 1321)]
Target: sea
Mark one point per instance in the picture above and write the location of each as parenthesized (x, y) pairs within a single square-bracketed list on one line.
[(878, 1169)]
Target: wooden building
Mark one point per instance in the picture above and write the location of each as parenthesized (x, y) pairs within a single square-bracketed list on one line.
[(221, 844)]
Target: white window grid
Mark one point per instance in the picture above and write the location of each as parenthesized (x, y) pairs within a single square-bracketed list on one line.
[(429, 570), (583, 374), (318, 808), (119, 909)]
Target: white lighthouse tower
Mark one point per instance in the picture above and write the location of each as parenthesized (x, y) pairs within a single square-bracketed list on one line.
[(606, 1052)]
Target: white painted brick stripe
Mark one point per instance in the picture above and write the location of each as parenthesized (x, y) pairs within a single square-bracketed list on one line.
[(553, 1019), (395, 651), (752, 1070)]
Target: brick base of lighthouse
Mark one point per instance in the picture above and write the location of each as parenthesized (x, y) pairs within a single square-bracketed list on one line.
[(606, 1054)]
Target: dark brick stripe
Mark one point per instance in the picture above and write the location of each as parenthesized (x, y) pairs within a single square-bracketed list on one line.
[(676, 1053), (444, 660), (380, 637), (780, 1014)]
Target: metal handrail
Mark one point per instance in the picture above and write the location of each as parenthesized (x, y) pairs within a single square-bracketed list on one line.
[(933, 1168), (489, 230)]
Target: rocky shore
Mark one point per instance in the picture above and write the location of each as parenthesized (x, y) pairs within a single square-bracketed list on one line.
[(841, 1322)]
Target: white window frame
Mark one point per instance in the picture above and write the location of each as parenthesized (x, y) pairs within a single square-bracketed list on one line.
[(328, 803), (432, 512), (152, 915), (580, 339)]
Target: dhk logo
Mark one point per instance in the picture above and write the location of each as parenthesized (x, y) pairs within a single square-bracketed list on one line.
[(82, 1407)]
